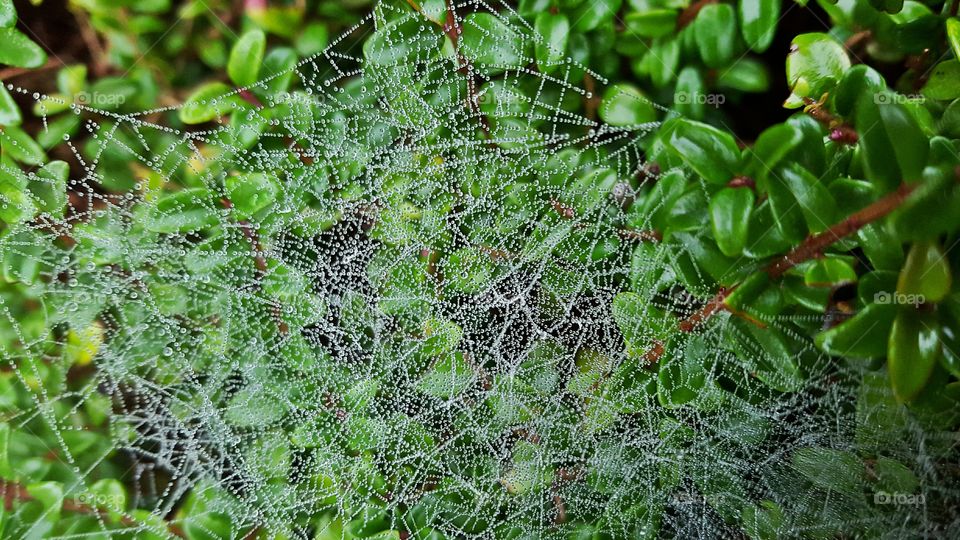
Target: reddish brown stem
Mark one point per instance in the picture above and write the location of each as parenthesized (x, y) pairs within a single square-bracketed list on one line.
[(840, 131), (814, 245), (643, 236)]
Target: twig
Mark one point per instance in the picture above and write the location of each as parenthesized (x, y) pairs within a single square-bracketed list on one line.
[(814, 245), (840, 131), (89, 36), (643, 236), (10, 73)]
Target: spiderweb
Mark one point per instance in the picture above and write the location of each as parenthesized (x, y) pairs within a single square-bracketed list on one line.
[(392, 298)]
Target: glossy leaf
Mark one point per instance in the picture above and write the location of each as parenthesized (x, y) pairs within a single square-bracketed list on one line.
[(651, 23), (914, 349), (730, 211), (862, 336), (18, 50), (710, 152), (758, 22), (624, 105), (894, 148), (715, 31), (209, 102), (552, 50), (246, 56), (815, 64), (944, 81), (926, 273)]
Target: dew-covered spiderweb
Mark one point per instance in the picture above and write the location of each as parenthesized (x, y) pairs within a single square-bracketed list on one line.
[(401, 287)]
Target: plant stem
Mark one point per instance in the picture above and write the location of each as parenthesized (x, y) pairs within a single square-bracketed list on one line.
[(812, 247)]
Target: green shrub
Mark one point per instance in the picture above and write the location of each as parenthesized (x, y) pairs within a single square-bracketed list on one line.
[(481, 272)]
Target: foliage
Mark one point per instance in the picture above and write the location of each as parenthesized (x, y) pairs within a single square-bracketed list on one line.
[(415, 281)]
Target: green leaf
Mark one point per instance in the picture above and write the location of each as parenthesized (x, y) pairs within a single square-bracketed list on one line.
[(815, 64), (183, 211), (836, 470), (6, 472), (758, 22), (49, 189), (9, 111), (787, 212), (953, 35), (640, 322), (18, 50), (944, 81), (745, 75), (8, 14), (715, 31), (774, 144), (448, 377), (893, 145), (16, 143), (243, 67), (440, 336), (468, 270), (913, 351), (895, 477), (590, 15), (624, 105), (313, 39), (816, 203), (681, 378), (109, 494), (710, 152), (829, 272), (251, 192), (888, 6), (730, 211), (71, 80), (209, 102), (689, 97), (858, 80), (491, 43), (926, 273), (551, 51), (930, 209), (652, 23), (862, 336), (15, 205), (402, 41)]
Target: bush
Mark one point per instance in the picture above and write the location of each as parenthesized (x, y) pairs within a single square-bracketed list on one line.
[(555, 271)]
